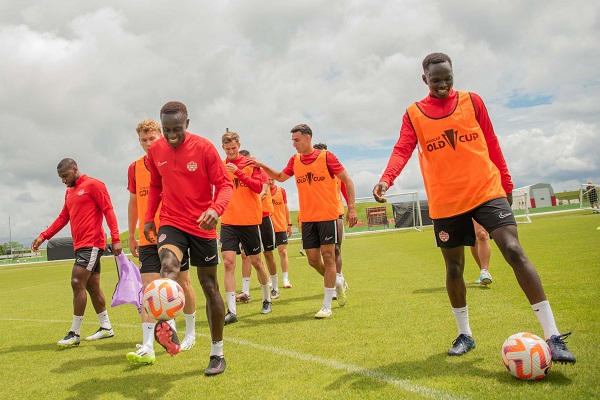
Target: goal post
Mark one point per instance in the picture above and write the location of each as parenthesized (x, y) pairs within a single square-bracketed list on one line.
[(520, 205), (401, 211), (589, 194)]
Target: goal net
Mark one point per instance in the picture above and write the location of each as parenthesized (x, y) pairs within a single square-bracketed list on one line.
[(520, 205), (589, 195), (401, 211)]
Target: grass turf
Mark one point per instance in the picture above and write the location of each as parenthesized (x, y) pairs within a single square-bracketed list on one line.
[(390, 340)]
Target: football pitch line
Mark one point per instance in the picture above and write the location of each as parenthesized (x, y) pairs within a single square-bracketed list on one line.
[(403, 384)]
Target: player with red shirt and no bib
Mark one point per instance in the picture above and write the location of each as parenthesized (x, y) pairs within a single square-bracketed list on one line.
[(187, 174), (138, 184), (465, 178), (315, 172), (86, 202)]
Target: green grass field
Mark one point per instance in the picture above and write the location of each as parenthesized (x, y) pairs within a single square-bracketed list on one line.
[(390, 340)]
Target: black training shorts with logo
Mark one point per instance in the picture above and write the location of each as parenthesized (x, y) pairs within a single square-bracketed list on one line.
[(316, 234), (459, 231), (267, 234), (150, 262), (281, 238), (249, 236), (89, 258), (203, 252)]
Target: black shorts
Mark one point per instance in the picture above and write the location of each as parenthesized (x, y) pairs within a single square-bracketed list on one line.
[(150, 262), (89, 258), (459, 231), (203, 252), (281, 238), (267, 234), (249, 237), (316, 234)]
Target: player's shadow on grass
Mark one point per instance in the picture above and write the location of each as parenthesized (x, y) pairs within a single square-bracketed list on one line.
[(149, 385), (430, 290), (413, 376), (52, 347)]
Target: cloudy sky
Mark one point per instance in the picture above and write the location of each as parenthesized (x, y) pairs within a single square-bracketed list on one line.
[(77, 76)]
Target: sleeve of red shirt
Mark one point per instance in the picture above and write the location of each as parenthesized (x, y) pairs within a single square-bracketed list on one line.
[(102, 198), (219, 178), (254, 182), (284, 195), (401, 153), (60, 222), (344, 192), (131, 178), (333, 164), (289, 168), (155, 189), (491, 139)]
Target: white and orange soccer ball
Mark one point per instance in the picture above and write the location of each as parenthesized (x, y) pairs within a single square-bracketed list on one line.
[(527, 356), (164, 299)]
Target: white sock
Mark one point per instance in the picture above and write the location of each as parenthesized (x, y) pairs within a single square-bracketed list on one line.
[(461, 315), (329, 292), (274, 282), (172, 324), (230, 296), (76, 325), (285, 276), (190, 323), (265, 292), (216, 348), (103, 319), (339, 282), (148, 335), (246, 285), (543, 312)]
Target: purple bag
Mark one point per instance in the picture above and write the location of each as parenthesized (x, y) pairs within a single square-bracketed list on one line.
[(129, 287)]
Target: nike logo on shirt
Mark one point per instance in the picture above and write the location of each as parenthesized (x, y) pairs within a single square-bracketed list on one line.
[(161, 163)]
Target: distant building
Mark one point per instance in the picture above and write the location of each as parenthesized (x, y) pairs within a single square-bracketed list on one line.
[(541, 195)]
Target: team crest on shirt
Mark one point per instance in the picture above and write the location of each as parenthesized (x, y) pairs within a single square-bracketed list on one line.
[(444, 236), (162, 237), (192, 166), (81, 192)]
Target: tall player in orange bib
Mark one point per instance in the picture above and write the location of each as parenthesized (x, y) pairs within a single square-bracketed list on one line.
[(138, 184), (466, 178), (315, 172)]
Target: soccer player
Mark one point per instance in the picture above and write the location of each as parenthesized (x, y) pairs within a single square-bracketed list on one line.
[(283, 227), (465, 177), (267, 237), (315, 172), (340, 222), (187, 174), (138, 178), (240, 223), (86, 201), (482, 252)]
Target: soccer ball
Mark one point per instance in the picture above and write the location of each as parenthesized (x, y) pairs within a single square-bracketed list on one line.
[(164, 299), (526, 356)]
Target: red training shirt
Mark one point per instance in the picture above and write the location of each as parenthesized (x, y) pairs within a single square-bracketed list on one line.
[(85, 205), (186, 177)]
